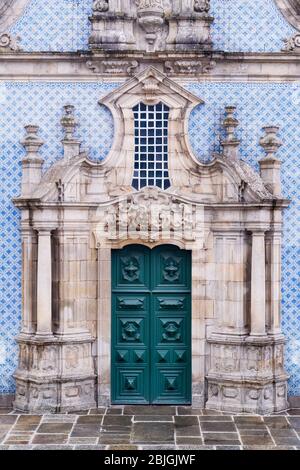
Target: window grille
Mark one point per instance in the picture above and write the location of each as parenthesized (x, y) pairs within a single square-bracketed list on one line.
[(151, 124)]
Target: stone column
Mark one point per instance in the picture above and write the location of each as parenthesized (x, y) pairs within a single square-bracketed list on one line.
[(44, 283), (27, 281), (275, 279), (258, 281)]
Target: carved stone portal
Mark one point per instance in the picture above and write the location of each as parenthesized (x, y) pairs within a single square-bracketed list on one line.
[(78, 211)]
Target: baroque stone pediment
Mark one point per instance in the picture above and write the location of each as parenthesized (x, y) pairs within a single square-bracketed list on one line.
[(76, 179)]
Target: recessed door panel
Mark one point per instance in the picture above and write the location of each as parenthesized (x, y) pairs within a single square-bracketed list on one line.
[(151, 325)]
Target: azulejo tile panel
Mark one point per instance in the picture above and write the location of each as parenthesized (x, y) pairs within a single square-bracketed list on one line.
[(240, 25), (41, 103)]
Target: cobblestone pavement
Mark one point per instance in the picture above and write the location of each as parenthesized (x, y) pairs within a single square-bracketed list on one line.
[(149, 428)]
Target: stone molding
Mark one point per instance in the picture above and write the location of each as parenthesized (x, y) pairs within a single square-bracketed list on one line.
[(280, 67)]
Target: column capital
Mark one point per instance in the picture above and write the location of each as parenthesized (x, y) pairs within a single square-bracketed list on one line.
[(44, 229), (258, 229)]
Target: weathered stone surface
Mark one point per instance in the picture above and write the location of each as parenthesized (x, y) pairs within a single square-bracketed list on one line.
[(144, 433)]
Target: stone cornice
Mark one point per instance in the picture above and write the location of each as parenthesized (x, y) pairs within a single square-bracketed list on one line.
[(216, 66)]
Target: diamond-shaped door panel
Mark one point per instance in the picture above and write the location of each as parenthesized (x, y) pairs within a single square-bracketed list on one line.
[(122, 356), (170, 331), (139, 356), (163, 356), (131, 386), (172, 385), (171, 269), (131, 330), (179, 356), (131, 268)]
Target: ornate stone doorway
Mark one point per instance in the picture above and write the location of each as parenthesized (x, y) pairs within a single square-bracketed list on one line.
[(79, 211)]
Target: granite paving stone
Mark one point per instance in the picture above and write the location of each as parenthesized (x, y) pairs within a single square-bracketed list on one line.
[(277, 422), (195, 447), (114, 411), (295, 422), (223, 438), (217, 426), (83, 440), (111, 438), (59, 418), (86, 430), (216, 418), (147, 418), (97, 411), (55, 428), (283, 433), (52, 447), (228, 447), (50, 439), (92, 447), (111, 420), (158, 447), (254, 432), (149, 410), (182, 410), (27, 423), (171, 428), (290, 441), (8, 419), (90, 419), (189, 440), (151, 432), (187, 426), (257, 440)]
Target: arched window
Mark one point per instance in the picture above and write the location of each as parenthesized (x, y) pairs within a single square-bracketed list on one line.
[(151, 124)]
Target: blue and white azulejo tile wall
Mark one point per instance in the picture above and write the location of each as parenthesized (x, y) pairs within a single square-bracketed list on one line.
[(239, 26), (41, 103)]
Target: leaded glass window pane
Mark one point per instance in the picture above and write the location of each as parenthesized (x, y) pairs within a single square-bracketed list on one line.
[(151, 146)]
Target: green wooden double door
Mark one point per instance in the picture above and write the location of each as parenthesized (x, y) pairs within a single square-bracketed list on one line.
[(151, 325)]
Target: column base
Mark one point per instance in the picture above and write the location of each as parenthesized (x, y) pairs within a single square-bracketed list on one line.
[(247, 375), (55, 375)]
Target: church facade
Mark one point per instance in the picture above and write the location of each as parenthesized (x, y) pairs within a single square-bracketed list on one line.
[(150, 248)]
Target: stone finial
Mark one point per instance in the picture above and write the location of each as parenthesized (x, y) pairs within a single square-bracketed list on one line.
[(69, 123), (100, 6), (270, 166), (230, 143), (32, 142), (32, 163), (202, 6), (270, 142)]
